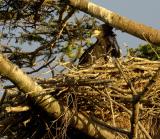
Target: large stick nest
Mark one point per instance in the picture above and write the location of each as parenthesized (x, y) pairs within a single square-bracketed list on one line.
[(108, 92)]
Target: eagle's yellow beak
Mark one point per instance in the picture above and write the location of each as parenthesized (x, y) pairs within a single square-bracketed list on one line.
[(96, 33)]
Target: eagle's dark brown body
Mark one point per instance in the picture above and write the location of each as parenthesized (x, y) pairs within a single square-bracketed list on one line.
[(106, 45)]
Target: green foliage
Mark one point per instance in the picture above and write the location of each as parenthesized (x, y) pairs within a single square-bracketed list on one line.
[(148, 51), (46, 29), (32, 38), (69, 50)]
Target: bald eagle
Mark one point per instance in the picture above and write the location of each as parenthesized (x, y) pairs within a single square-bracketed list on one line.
[(106, 45)]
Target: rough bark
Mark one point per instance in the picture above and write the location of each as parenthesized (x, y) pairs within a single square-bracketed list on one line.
[(122, 23), (49, 103)]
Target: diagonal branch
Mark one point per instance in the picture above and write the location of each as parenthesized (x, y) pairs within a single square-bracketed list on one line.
[(49, 103), (122, 23)]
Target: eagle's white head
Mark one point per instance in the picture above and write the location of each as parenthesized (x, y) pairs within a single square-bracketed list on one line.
[(97, 33), (102, 31)]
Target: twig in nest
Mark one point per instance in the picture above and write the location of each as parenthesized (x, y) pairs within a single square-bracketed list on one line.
[(17, 109), (135, 113), (110, 127)]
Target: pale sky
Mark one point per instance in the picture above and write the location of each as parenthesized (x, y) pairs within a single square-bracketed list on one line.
[(143, 11)]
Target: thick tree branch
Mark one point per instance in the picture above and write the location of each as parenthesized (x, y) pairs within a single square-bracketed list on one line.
[(122, 23), (49, 103)]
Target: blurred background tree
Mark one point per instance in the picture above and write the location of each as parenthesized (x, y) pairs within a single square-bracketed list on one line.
[(146, 51), (38, 34)]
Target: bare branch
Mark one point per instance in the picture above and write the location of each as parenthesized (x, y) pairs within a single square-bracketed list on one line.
[(122, 23)]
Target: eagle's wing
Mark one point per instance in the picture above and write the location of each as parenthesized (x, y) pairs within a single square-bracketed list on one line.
[(115, 49), (87, 56)]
